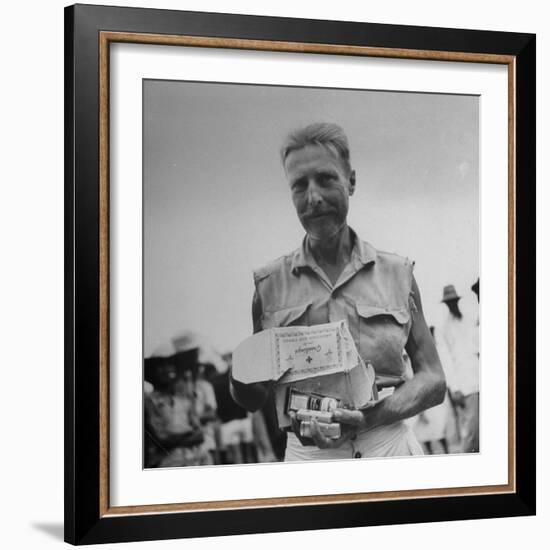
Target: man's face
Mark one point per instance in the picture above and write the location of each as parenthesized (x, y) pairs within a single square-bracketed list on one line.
[(185, 383), (166, 374), (320, 188)]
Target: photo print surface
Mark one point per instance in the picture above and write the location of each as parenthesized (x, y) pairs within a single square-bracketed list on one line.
[(348, 217)]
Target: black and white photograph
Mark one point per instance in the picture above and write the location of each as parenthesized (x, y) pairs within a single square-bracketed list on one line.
[(311, 274)]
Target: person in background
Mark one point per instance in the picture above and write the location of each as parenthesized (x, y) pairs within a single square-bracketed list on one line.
[(431, 425), (460, 336), (236, 435), (244, 436), (172, 427), (475, 290), (173, 433), (194, 352), (207, 407)]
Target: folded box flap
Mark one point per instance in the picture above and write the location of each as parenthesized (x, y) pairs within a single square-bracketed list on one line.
[(252, 359), (360, 384)]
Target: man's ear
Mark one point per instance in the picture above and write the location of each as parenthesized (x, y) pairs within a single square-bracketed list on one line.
[(351, 182)]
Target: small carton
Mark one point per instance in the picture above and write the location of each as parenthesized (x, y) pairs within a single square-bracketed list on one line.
[(320, 361)]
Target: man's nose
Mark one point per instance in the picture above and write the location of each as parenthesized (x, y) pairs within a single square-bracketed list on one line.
[(314, 195)]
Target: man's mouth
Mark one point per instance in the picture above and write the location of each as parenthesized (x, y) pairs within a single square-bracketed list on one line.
[(317, 215)]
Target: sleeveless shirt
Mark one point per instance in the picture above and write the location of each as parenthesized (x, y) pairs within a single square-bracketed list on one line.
[(373, 294)]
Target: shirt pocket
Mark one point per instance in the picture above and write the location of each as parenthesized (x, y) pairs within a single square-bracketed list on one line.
[(382, 335), (286, 317), (369, 312)]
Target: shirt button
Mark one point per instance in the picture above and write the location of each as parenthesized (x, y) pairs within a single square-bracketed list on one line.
[(357, 455)]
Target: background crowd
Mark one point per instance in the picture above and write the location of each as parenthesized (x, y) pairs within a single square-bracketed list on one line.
[(190, 418)]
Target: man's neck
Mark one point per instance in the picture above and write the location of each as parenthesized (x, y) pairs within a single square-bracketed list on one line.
[(333, 251)]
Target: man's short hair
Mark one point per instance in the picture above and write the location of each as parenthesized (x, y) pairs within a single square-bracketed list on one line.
[(325, 134)]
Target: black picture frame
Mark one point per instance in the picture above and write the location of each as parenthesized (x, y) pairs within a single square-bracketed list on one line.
[(86, 521)]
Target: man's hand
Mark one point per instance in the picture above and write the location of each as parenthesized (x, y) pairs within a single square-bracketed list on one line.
[(305, 441), (249, 396), (351, 422), (317, 438)]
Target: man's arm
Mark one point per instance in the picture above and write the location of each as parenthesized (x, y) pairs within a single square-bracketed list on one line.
[(251, 396), (428, 386), (426, 389)]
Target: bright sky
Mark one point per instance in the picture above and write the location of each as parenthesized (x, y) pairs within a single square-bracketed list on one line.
[(217, 205)]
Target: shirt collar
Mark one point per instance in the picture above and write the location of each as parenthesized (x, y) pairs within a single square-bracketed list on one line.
[(363, 253)]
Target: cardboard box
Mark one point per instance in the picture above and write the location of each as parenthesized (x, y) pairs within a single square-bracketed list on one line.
[(320, 359)]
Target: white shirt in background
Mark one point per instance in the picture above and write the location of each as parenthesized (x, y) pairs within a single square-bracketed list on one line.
[(460, 338)]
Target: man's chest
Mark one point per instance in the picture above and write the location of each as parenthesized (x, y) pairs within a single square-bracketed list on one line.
[(332, 272)]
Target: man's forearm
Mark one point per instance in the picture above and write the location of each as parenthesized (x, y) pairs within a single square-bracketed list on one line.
[(414, 396), (249, 396)]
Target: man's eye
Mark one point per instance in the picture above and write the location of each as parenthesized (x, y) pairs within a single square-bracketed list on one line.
[(299, 187), (325, 178)]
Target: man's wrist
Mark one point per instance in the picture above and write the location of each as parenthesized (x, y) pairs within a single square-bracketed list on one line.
[(373, 416)]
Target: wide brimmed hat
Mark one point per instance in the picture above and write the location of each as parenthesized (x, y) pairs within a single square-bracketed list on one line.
[(449, 294), (181, 342), (188, 349)]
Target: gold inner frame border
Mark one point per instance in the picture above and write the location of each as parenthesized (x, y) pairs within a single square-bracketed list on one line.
[(105, 39)]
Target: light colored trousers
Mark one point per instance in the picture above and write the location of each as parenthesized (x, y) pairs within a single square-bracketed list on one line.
[(393, 440)]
